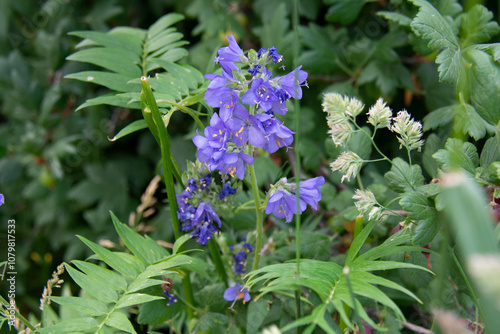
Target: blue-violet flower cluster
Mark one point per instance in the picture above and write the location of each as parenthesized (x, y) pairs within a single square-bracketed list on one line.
[(240, 255), (247, 101), (282, 197)]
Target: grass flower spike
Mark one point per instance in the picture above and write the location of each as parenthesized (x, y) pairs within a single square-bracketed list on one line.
[(349, 163), (379, 114), (366, 203), (410, 131)]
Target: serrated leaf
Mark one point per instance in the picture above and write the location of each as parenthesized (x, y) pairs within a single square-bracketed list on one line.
[(87, 306), (71, 326), (131, 128), (493, 49), (426, 231), (112, 259), (469, 122), (484, 80), (490, 152), (476, 26), (92, 285), (399, 18), (451, 68), (136, 299), (403, 177), (457, 154), (120, 321), (439, 117), (430, 25), (419, 205)]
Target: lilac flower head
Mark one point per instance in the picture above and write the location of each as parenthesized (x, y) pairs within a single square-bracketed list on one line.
[(219, 95), (281, 204), (205, 182), (191, 186), (239, 262), (234, 164), (213, 145), (228, 55), (170, 298), (262, 93), (245, 126), (237, 292), (205, 217), (274, 54), (277, 134), (292, 82), (309, 190), (226, 191), (256, 69)]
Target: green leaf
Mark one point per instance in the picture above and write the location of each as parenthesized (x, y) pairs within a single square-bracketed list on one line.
[(257, 312), (71, 326), (93, 285), (140, 284), (180, 241), (208, 320), (426, 231), (430, 25), (476, 26), (490, 152), (484, 85), (120, 321), (457, 154), (131, 128), (87, 306), (157, 312), (403, 177), (139, 246), (163, 23), (113, 81), (115, 39), (344, 12), (399, 18), (107, 57), (110, 277), (358, 242), (419, 206), (360, 144), (135, 299), (112, 259), (451, 68), (432, 144), (469, 122), (439, 117), (112, 99)]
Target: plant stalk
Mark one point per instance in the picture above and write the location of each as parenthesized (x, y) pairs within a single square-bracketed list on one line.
[(258, 210)]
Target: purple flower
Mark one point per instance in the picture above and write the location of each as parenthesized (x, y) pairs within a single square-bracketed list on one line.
[(309, 190), (234, 163), (277, 134), (291, 82), (219, 95), (204, 218), (2, 199), (261, 92), (213, 145), (274, 54), (205, 182), (170, 298), (230, 54), (237, 292), (248, 247), (246, 126), (226, 191), (239, 262), (255, 70), (282, 205)]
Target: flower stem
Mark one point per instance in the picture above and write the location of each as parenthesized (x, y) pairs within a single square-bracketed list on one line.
[(6, 304), (258, 211), (148, 98), (219, 265)]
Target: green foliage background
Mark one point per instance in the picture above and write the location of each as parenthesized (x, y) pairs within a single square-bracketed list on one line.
[(62, 175)]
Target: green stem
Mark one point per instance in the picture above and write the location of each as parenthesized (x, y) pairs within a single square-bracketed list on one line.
[(466, 280), (18, 315), (150, 101), (258, 211), (219, 265)]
